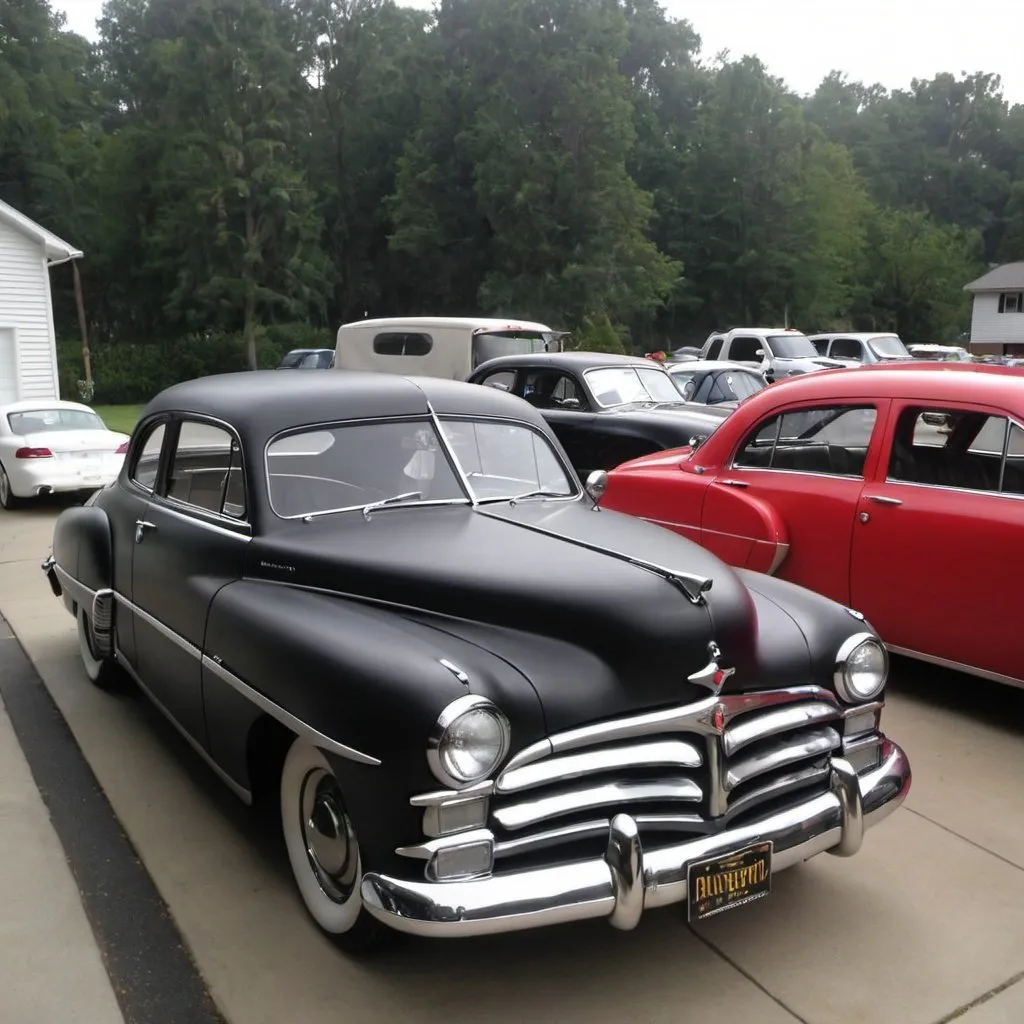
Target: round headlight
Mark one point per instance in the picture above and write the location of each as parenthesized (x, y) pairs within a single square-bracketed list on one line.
[(862, 666), (469, 740)]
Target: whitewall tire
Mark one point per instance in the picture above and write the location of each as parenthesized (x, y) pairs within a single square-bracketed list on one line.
[(323, 849), (7, 498)]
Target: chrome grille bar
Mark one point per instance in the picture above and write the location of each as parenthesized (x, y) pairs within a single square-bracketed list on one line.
[(749, 728), (617, 794), (806, 743), (668, 753)]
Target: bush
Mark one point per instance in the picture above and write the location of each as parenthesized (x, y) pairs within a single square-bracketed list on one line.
[(596, 334), (126, 374)]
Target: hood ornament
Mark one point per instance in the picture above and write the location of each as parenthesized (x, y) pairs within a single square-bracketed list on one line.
[(712, 675)]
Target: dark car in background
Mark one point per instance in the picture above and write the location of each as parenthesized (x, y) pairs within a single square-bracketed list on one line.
[(712, 382), (605, 409), (385, 606)]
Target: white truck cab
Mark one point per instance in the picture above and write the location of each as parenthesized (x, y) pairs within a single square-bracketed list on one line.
[(438, 346), (776, 352)]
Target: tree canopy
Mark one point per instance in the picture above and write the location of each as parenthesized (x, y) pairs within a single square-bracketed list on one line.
[(232, 166)]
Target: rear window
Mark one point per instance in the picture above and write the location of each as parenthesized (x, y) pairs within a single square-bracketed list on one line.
[(402, 344), (35, 421), (509, 343)]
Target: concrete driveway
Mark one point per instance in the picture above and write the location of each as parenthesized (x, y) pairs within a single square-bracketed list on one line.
[(924, 925)]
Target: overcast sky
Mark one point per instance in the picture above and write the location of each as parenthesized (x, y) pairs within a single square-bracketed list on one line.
[(886, 41)]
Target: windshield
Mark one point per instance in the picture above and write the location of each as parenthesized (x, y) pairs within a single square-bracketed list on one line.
[(346, 467), (889, 346), (623, 385), (35, 421), (791, 346), (509, 343)]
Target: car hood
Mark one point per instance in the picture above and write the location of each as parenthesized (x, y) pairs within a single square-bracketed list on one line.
[(706, 417), (557, 570)]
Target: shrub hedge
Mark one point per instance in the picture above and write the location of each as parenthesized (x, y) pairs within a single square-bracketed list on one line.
[(128, 373)]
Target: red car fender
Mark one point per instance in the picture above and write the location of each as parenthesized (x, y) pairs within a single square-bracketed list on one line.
[(743, 530)]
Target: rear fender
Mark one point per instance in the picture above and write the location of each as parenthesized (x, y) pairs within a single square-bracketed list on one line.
[(83, 553), (743, 530), (364, 677)]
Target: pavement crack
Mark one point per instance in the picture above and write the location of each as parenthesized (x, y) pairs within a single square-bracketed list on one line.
[(983, 998), (966, 839), (746, 974)]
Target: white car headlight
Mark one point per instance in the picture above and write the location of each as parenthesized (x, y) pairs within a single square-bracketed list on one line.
[(469, 740), (862, 667)]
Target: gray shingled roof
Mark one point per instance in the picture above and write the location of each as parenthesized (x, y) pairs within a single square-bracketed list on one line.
[(1008, 277)]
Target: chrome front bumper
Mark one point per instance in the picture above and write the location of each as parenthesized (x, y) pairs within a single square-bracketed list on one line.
[(627, 880)]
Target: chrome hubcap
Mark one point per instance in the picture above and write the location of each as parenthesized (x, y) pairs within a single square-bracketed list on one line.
[(329, 838)]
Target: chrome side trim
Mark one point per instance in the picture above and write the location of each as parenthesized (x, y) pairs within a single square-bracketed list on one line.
[(164, 631), (80, 593), (659, 754), (800, 747), (242, 530), (455, 671), (612, 794), (957, 666), (743, 732), (240, 791), (286, 718), (781, 550)]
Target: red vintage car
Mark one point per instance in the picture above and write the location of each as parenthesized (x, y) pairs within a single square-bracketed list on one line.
[(897, 490)]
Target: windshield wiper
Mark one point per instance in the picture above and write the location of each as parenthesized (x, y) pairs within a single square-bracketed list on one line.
[(541, 492), (393, 500)]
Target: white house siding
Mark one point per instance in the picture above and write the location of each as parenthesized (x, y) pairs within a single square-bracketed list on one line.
[(989, 325), (25, 307)]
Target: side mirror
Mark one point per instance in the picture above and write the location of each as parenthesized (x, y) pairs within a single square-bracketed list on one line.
[(597, 484), (759, 353), (697, 440)]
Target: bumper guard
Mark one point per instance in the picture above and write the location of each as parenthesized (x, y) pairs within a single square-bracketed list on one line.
[(626, 881)]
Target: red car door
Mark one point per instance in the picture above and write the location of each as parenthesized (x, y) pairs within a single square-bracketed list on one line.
[(937, 555), (805, 464)]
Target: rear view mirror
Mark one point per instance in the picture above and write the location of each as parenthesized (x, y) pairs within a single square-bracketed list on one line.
[(759, 353)]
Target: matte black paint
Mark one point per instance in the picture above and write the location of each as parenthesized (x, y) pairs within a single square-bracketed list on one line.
[(344, 622)]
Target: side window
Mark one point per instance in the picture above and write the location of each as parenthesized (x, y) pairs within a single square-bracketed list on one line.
[(832, 441), (951, 448), (744, 350), (147, 463), (714, 348), (206, 470), (402, 344), (503, 380), (547, 390), (1013, 468), (847, 348), (820, 345)]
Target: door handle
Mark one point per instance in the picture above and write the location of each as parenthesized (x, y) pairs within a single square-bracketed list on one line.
[(735, 483), (881, 499), (140, 528)]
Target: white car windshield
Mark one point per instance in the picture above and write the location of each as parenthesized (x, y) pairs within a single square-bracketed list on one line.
[(888, 346), (396, 463), (624, 385), (36, 421)]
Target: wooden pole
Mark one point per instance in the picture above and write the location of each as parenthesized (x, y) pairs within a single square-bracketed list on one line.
[(86, 355)]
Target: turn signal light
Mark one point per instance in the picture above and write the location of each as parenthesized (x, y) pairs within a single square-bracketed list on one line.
[(122, 449), (33, 453)]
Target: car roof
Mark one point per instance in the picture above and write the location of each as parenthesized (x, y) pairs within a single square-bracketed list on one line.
[(39, 404), (569, 360), (702, 365), (859, 335), (260, 403), (755, 330), (908, 379), (474, 322)]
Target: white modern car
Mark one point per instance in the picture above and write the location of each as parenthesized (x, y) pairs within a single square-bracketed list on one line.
[(50, 446)]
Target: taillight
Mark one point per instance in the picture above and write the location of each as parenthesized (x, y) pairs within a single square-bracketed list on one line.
[(33, 453), (122, 449)]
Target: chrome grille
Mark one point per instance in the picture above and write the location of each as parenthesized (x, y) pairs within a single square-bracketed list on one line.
[(693, 768)]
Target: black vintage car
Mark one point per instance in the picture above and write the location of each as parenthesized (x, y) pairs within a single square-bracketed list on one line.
[(605, 409), (482, 703)]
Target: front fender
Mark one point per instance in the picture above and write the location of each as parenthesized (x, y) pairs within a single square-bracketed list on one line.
[(365, 676)]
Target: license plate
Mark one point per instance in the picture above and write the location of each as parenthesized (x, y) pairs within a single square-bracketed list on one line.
[(723, 883)]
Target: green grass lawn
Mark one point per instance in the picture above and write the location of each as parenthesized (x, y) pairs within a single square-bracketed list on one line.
[(119, 417)]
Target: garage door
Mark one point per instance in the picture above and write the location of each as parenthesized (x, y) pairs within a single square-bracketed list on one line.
[(8, 367)]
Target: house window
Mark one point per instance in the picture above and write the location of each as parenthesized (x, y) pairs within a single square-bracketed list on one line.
[(1011, 302)]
